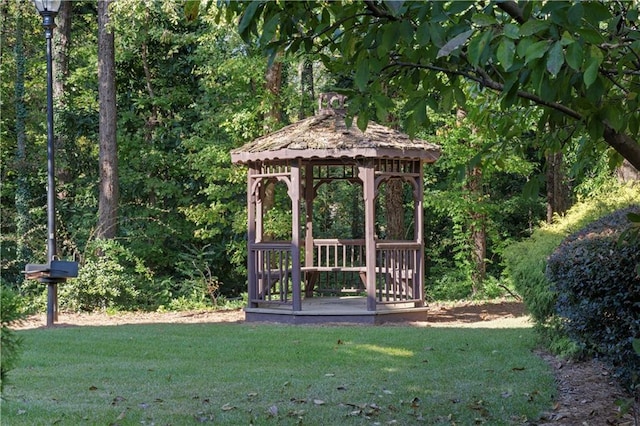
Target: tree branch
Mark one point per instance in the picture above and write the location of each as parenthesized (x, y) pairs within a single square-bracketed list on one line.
[(512, 9), (486, 81)]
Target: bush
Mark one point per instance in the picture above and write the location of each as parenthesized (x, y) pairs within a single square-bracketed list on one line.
[(594, 274), (10, 313), (526, 261), (110, 277)]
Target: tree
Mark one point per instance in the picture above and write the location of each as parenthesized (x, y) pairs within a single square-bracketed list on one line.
[(108, 162), (577, 60)]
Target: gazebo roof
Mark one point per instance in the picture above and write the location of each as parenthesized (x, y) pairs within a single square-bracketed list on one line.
[(326, 136)]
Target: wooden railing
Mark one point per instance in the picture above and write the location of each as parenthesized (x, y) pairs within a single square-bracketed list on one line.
[(398, 264), (272, 269), (338, 266)]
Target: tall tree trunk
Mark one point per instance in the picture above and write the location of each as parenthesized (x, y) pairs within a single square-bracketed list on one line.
[(478, 230), (22, 195), (307, 92), (394, 209), (478, 219), (274, 87), (108, 158), (557, 187), (273, 81), (61, 42)]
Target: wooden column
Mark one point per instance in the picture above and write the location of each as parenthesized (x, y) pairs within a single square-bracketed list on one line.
[(419, 212), (367, 176), (294, 194), (251, 239), (309, 195)]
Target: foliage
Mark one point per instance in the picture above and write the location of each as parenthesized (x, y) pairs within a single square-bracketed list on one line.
[(498, 204), (526, 260), (599, 291), (575, 59), (273, 374), (11, 313), (110, 277)]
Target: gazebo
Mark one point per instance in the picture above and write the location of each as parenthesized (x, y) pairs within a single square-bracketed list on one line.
[(285, 276)]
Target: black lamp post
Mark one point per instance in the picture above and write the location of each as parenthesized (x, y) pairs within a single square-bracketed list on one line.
[(55, 270)]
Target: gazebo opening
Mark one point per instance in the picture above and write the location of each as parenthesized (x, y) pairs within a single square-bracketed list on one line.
[(335, 222)]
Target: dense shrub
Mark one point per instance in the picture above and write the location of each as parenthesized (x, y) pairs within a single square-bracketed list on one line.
[(526, 260), (594, 274), (110, 276), (10, 313)]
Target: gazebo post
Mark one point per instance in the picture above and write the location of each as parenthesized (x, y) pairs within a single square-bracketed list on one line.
[(419, 220), (294, 194), (251, 237), (309, 193), (369, 192)]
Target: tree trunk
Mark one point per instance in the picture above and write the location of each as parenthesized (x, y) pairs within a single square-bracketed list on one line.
[(61, 41), (307, 93), (23, 218), (478, 230), (274, 86), (394, 210), (108, 158), (478, 219), (557, 187)]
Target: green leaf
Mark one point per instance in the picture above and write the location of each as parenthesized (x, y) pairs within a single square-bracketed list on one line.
[(615, 117), (536, 51), (478, 47), (191, 9), (362, 120), (362, 75), (575, 14), (454, 43), (555, 59), (591, 71), (422, 34), (574, 56), (483, 20), (505, 53), (512, 31), (533, 26), (247, 18), (636, 345)]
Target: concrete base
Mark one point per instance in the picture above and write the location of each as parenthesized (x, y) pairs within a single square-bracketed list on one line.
[(323, 310)]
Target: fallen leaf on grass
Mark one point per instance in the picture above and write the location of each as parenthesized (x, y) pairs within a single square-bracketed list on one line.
[(318, 402), (387, 392), (329, 375), (296, 413), (252, 394), (518, 369), (299, 400), (228, 407), (117, 400), (272, 411), (93, 388)]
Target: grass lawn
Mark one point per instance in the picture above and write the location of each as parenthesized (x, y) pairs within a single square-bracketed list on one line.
[(242, 374)]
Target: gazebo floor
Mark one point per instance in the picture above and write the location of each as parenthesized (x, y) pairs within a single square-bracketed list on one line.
[(322, 310)]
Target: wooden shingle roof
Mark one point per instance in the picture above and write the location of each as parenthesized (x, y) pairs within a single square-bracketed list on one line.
[(326, 136)]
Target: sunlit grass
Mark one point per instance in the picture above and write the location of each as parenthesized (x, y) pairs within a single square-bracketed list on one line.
[(272, 374)]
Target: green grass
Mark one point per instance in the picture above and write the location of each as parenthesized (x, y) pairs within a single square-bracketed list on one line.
[(274, 374)]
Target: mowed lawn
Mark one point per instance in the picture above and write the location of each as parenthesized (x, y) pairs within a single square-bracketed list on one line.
[(241, 374)]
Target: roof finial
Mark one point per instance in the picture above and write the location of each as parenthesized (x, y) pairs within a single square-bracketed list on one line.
[(330, 101)]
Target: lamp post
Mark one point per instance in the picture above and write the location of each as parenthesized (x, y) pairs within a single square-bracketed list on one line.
[(54, 271)]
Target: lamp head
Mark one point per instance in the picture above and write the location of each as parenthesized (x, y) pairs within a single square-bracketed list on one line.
[(47, 6)]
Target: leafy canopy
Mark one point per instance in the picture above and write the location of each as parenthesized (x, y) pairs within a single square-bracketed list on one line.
[(578, 60)]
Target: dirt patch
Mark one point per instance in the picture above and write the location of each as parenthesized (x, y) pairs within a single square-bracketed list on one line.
[(587, 392)]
